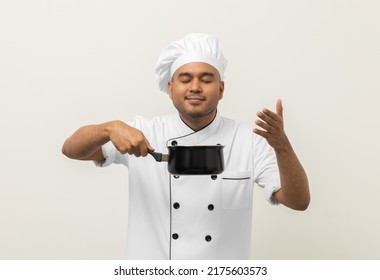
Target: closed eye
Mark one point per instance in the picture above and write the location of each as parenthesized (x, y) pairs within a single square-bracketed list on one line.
[(207, 77)]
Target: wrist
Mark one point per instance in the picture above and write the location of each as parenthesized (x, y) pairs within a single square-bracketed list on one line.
[(104, 131), (284, 149)]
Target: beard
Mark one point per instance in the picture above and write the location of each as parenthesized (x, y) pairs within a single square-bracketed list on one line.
[(196, 115)]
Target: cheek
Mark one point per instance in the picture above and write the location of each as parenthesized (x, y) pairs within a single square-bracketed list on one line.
[(178, 90), (175, 96)]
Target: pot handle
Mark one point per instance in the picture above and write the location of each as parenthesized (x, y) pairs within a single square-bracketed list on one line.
[(159, 156)]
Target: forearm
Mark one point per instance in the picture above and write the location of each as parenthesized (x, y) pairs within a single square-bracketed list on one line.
[(86, 141), (294, 191)]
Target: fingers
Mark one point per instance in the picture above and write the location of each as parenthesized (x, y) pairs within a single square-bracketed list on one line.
[(149, 147), (141, 146), (267, 127), (279, 107), (271, 126), (270, 120), (144, 147), (129, 140), (267, 116), (260, 132)]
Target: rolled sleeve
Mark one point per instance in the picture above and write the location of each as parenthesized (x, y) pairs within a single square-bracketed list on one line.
[(266, 173), (272, 186), (111, 155)]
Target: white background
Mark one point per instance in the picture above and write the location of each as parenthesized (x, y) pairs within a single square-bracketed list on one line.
[(67, 63)]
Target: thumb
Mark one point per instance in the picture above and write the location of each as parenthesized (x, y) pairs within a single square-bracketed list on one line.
[(150, 148), (279, 107)]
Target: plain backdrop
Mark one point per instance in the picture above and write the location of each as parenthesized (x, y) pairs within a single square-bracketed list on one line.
[(67, 63)]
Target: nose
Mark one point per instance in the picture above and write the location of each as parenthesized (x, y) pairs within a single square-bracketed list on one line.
[(195, 86)]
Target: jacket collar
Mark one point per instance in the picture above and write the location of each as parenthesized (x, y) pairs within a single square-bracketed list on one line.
[(187, 136)]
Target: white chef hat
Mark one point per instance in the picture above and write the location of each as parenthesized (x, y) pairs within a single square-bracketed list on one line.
[(194, 47)]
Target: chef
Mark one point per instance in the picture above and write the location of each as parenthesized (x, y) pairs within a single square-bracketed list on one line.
[(195, 216)]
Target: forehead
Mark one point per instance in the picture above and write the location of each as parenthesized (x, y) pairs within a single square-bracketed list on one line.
[(196, 68)]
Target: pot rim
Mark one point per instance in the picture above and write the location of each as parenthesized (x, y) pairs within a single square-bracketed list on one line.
[(196, 147)]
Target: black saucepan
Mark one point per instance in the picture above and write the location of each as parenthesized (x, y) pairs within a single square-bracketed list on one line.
[(193, 160)]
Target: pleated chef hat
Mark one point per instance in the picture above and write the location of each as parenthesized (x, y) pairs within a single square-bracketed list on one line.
[(194, 47)]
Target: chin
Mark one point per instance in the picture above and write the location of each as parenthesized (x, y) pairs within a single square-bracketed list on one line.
[(196, 114)]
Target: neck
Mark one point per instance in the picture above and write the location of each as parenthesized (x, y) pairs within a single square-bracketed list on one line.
[(197, 124)]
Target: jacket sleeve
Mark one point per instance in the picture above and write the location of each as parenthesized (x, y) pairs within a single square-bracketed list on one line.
[(265, 168), (112, 155)]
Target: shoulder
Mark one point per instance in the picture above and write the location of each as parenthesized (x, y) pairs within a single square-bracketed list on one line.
[(157, 120), (237, 126), (146, 123), (242, 131)]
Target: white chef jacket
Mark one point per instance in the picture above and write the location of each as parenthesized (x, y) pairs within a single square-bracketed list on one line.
[(195, 216)]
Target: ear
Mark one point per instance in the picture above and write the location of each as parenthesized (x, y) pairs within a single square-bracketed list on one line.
[(170, 89), (221, 90)]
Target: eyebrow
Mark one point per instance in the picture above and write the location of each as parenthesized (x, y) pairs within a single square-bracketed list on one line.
[(187, 74)]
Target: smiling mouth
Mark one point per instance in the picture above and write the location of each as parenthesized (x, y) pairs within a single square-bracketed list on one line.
[(195, 100)]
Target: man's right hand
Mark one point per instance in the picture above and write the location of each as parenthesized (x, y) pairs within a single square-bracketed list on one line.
[(86, 142), (128, 139)]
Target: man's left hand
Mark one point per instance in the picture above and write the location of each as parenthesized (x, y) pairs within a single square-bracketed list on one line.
[(272, 125)]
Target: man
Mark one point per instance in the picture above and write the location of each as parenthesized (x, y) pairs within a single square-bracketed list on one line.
[(195, 216)]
